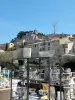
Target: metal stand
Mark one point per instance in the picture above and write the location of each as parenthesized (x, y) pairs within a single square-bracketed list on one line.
[(49, 77), (11, 86), (60, 85), (60, 78), (28, 79), (39, 68)]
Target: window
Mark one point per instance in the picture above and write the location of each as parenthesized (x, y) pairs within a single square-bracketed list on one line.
[(42, 49), (35, 45), (66, 46), (49, 43)]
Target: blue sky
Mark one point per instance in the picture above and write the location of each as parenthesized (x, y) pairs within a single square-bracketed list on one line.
[(24, 15)]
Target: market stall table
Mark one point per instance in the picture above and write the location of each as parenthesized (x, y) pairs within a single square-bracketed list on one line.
[(5, 94)]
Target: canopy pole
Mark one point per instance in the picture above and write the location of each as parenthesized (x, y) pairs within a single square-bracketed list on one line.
[(49, 77), (60, 76), (11, 83), (28, 79)]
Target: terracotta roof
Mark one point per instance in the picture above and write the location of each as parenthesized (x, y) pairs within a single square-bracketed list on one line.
[(54, 39)]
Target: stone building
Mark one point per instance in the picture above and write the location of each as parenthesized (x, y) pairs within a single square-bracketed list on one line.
[(31, 37)]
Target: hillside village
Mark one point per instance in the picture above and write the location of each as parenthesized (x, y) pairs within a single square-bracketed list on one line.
[(40, 42), (46, 50), (29, 38), (43, 45)]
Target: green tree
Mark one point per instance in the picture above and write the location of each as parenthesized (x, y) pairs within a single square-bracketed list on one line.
[(21, 34), (6, 60)]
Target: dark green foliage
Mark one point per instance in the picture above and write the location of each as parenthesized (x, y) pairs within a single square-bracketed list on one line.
[(21, 34), (41, 34), (13, 40)]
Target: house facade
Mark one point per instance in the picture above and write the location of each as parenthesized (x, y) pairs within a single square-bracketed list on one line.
[(67, 45)]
